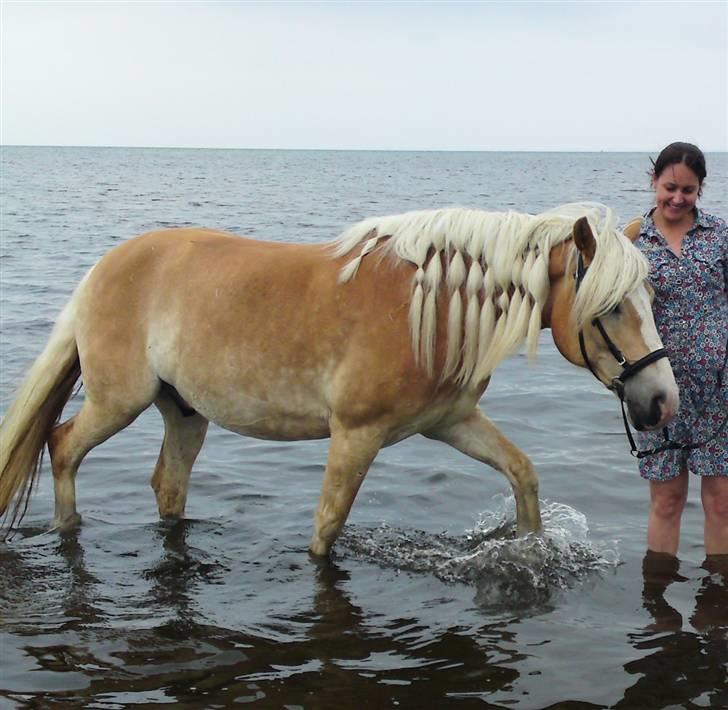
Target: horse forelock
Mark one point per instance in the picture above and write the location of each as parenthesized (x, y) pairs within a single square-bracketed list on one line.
[(493, 267), (617, 269)]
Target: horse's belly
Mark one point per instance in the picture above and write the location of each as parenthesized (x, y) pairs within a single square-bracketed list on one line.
[(289, 428), (268, 420)]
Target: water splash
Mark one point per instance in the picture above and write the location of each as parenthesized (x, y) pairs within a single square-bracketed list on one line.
[(507, 572)]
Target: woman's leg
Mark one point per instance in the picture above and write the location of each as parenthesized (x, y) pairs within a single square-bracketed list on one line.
[(714, 494), (667, 500)]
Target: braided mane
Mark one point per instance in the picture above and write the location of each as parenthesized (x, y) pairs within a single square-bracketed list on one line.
[(493, 267)]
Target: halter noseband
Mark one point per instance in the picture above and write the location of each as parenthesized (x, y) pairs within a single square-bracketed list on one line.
[(629, 369)]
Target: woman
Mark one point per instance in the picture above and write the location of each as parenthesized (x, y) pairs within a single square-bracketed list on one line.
[(688, 254)]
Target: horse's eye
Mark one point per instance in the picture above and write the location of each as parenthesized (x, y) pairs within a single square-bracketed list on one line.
[(617, 310)]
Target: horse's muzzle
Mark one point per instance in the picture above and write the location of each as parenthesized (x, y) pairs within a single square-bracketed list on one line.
[(655, 414)]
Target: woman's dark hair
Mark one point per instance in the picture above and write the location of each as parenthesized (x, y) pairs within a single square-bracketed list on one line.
[(677, 153)]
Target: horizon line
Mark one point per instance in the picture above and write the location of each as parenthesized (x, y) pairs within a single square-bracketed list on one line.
[(351, 150)]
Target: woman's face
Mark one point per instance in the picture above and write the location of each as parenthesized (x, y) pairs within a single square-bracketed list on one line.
[(676, 192)]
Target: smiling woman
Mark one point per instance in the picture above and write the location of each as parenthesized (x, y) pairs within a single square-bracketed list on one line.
[(688, 254)]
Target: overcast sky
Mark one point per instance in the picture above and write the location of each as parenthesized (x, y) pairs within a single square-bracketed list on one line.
[(372, 75)]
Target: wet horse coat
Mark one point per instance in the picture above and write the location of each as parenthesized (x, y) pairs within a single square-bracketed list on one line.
[(392, 330)]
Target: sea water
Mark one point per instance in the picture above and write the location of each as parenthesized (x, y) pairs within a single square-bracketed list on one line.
[(430, 600)]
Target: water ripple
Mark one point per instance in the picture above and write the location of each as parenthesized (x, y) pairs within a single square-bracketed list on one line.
[(508, 572)]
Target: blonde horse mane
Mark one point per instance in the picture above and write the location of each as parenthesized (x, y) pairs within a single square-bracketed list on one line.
[(494, 266)]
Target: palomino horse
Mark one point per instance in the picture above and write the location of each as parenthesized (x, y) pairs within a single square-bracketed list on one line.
[(392, 330)]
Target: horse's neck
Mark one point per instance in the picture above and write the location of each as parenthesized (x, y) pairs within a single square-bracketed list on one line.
[(559, 259), (560, 277)]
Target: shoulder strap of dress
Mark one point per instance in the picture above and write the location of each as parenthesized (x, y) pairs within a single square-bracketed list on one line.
[(632, 230)]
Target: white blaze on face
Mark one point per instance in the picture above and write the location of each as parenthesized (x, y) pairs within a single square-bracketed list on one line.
[(640, 300), (659, 373)]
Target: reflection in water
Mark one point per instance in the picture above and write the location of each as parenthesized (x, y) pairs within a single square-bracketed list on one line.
[(78, 604), (179, 572), (335, 615), (48, 595), (659, 571), (336, 630), (711, 604), (29, 583), (681, 666), (325, 649), (347, 656)]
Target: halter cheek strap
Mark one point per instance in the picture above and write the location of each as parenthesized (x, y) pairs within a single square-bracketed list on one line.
[(629, 369)]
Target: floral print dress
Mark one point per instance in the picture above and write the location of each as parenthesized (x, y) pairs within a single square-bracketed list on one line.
[(691, 313)]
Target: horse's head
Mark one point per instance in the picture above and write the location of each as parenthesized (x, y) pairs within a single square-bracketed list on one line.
[(600, 315)]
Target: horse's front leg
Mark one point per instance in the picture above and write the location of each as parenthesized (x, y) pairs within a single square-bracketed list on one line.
[(351, 452), (479, 438)]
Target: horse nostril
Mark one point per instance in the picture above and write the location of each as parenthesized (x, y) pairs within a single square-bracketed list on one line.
[(656, 408), (649, 415)]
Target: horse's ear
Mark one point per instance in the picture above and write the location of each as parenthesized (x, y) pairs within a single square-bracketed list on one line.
[(632, 230), (584, 239)]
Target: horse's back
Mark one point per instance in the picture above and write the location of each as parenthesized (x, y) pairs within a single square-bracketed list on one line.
[(161, 269)]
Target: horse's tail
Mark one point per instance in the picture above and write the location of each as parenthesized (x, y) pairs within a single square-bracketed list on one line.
[(37, 407)]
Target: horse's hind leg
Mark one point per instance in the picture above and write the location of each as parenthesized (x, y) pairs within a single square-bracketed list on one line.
[(71, 441), (479, 438), (184, 434), (350, 454)]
